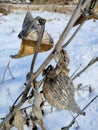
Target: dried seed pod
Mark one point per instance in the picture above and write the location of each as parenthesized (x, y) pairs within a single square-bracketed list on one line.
[(63, 62), (59, 91), (19, 120), (29, 35), (82, 18)]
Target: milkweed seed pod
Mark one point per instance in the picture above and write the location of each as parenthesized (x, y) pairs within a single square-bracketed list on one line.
[(82, 18), (63, 62), (59, 91), (93, 13), (29, 36)]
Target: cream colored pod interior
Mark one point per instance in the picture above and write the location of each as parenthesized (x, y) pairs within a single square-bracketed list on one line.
[(29, 42)]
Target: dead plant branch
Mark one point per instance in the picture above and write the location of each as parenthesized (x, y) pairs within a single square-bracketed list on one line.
[(94, 60), (73, 121), (74, 34), (58, 47), (63, 36), (40, 35), (7, 67), (75, 71), (11, 73), (27, 89), (16, 100)]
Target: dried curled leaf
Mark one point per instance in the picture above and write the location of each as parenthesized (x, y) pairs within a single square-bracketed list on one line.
[(62, 59), (37, 99), (7, 126), (37, 102), (19, 120), (37, 112), (36, 109)]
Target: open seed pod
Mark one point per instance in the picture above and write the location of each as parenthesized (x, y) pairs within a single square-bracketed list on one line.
[(63, 62), (59, 91), (29, 36), (93, 13), (82, 18)]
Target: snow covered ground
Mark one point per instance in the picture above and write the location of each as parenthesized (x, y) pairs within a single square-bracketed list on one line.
[(82, 49)]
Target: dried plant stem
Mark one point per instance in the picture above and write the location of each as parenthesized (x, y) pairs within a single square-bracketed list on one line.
[(11, 73), (16, 100), (74, 34), (16, 107), (7, 67), (75, 16), (58, 47), (11, 114), (73, 121), (94, 60), (75, 71), (40, 35), (64, 34), (25, 92), (5, 71), (26, 107)]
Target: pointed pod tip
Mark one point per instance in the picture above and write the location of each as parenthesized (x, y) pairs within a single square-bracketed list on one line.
[(82, 113)]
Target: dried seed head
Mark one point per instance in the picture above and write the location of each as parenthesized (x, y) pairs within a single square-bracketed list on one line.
[(59, 92), (63, 62), (30, 35)]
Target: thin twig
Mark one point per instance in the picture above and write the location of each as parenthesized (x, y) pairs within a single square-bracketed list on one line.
[(26, 107), (94, 60), (74, 34), (16, 100), (73, 121), (58, 47), (5, 71), (24, 95), (73, 118), (75, 71), (73, 19), (40, 35), (11, 73), (7, 67)]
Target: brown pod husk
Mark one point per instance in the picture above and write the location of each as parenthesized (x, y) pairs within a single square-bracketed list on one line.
[(29, 36), (59, 92), (92, 15), (82, 18), (28, 46)]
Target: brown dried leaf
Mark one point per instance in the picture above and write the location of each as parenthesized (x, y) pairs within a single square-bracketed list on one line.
[(7, 126), (37, 99), (62, 59), (19, 120), (37, 112)]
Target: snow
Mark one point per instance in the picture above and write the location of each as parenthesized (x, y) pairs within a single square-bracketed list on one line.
[(82, 49)]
